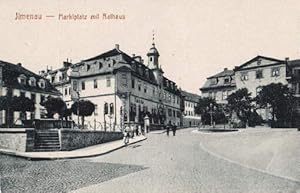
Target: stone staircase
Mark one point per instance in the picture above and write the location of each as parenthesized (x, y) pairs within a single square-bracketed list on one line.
[(47, 140)]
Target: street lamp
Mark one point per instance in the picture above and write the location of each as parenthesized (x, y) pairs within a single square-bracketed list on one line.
[(211, 108)]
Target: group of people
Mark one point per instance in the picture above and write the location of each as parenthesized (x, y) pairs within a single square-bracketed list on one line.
[(131, 130), (169, 126)]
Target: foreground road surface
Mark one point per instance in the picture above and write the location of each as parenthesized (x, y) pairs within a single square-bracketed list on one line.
[(159, 164)]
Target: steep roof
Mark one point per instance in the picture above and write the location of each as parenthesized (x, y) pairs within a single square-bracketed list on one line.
[(11, 72), (225, 72), (190, 96)]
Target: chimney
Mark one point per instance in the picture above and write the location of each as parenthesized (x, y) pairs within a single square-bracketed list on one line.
[(117, 46), (225, 69), (19, 64), (133, 55)]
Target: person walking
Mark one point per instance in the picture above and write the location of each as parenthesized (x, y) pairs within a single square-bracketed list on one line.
[(126, 134), (174, 129), (169, 126)]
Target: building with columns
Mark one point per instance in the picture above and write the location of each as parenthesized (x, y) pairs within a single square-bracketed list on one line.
[(123, 88), (15, 80)]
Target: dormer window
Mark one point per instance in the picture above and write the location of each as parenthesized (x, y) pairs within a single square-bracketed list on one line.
[(22, 79), (226, 80), (42, 83), (88, 67), (100, 65), (32, 81)]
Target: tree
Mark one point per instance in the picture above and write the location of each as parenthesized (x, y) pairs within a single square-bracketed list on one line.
[(203, 108), (279, 98), (239, 103), (16, 103), (55, 105), (83, 108)]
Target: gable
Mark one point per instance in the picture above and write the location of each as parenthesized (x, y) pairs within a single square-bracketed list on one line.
[(259, 61)]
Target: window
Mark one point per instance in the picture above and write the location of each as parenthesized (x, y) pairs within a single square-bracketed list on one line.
[(132, 83), (82, 85), (42, 83), (224, 95), (42, 98), (139, 86), (66, 91), (153, 91), (259, 74), (111, 108), (170, 112), (275, 72), (258, 89), (100, 65), (226, 80), (32, 81), (33, 97), (75, 85), (124, 80), (95, 83), (22, 79), (96, 110), (210, 94), (108, 83), (174, 113), (178, 114), (88, 67), (244, 76), (145, 88)]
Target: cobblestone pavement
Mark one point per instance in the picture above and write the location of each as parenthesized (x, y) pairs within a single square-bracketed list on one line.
[(160, 164), (19, 175), (179, 164)]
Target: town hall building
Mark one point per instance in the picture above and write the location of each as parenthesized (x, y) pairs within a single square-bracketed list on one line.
[(123, 88)]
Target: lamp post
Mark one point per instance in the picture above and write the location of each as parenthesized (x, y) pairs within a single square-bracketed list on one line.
[(211, 109)]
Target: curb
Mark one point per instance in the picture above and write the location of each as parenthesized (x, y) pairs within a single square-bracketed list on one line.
[(29, 157), (245, 165)]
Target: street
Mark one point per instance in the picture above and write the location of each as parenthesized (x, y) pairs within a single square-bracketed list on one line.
[(158, 164)]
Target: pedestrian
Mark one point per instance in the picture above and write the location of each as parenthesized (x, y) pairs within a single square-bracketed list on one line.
[(174, 129), (169, 126), (126, 134)]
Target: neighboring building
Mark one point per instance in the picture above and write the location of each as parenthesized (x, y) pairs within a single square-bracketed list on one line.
[(15, 80), (60, 79), (293, 77), (219, 86), (260, 71), (190, 101), (124, 89)]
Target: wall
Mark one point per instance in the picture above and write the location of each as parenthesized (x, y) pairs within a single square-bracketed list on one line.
[(74, 139), (17, 139)]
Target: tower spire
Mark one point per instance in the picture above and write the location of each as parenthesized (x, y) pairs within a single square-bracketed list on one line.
[(153, 38)]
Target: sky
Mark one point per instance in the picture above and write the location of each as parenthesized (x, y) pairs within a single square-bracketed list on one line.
[(195, 38)]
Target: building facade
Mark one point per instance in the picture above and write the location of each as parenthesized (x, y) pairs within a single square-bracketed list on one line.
[(124, 89), (219, 86), (15, 80), (189, 117), (258, 72)]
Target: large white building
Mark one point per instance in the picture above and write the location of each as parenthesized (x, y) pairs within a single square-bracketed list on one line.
[(122, 84)]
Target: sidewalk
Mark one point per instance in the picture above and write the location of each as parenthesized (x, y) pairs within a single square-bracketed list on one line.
[(94, 150)]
